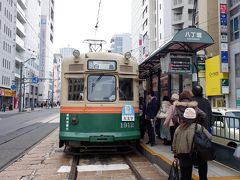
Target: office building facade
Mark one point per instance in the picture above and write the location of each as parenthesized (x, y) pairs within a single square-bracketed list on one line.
[(121, 43), (46, 51), (7, 52)]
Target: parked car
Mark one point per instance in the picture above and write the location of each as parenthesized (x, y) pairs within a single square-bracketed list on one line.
[(226, 126)]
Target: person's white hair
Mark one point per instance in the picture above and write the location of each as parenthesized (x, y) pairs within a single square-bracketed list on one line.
[(174, 97)]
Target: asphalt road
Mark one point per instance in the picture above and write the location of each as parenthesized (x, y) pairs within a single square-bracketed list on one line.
[(20, 132)]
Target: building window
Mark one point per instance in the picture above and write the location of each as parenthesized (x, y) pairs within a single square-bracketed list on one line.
[(234, 29), (237, 64), (234, 2)]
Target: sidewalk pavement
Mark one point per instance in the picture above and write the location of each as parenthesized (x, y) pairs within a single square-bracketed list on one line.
[(15, 111)]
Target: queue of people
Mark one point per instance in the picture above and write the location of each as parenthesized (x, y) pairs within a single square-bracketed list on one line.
[(174, 123)]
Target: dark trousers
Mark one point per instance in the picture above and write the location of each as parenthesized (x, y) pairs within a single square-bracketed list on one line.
[(186, 172), (142, 127), (172, 130), (157, 127), (202, 171), (151, 134)]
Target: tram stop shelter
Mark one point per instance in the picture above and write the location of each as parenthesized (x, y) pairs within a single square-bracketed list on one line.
[(174, 65)]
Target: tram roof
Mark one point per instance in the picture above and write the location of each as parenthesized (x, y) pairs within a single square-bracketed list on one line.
[(187, 42)]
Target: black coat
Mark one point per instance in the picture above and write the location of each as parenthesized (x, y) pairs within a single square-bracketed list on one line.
[(205, 106), (152, 108), (142, 108)]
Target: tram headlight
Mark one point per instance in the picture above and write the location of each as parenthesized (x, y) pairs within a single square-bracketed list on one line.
[(76, 53), (127, 55), (74, 120)]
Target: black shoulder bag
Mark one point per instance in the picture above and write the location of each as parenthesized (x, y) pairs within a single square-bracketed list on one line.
[(202, 147)]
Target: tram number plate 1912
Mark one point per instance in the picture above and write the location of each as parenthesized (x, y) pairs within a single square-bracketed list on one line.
[(127, 124)]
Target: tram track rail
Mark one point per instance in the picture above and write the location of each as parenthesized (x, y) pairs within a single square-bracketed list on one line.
[(133, 168), (135, 162), (73, 172)]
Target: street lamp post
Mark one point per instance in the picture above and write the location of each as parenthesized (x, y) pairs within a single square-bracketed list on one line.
[(20, 86)]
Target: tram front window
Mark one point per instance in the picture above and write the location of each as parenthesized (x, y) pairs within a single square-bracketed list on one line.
[(126, 89), (75, 89), (101, 88)]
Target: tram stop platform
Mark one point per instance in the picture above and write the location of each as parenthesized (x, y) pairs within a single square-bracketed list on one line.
[(161, 155)]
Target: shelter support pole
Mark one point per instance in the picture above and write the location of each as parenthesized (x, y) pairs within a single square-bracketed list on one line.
[(195, 79), (159, 86), (150, 79), (180, 83), (169, 85)]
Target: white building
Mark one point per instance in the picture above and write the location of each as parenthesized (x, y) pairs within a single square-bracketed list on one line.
[(234, 53), (144, 28), (57, 77), (154, 22), (164, 21), (46, 51), (121, 43), (27, 46), (66, 52), (7, 50)]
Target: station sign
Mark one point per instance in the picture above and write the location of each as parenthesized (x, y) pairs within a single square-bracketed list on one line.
[(180, 65)]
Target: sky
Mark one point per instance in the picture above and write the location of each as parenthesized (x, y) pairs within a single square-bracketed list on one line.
[(75, 21)]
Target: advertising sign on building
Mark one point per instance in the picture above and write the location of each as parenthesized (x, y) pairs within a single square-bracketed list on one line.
[(223, 8), (217, 83), (223, 35), (225, 86), (1, 92), (8, 92)]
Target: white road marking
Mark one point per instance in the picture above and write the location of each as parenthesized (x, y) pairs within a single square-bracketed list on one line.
[(64, 169), (110, 167)]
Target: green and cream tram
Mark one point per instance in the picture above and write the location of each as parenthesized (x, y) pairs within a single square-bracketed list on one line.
[(99, 100)]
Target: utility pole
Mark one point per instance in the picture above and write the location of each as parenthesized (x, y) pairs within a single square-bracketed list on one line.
[(20, 89), (20, 86), (52, 87), (32, 105)]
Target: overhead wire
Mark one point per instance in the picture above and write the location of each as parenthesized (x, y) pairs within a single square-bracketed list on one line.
[(96, 26)]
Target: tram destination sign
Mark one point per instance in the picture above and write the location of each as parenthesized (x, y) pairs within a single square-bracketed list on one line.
[(180, 65), (102, 65)]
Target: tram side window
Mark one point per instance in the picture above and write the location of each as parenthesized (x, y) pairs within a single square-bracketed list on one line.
[(75, 89), (125, 89)]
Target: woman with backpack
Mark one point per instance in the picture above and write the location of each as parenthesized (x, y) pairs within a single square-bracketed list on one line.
[(183, 141)]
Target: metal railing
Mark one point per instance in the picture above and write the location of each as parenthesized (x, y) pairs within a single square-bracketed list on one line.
[(226, 127)]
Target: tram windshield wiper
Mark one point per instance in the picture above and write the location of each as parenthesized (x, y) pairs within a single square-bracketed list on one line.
[(95, 82)]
